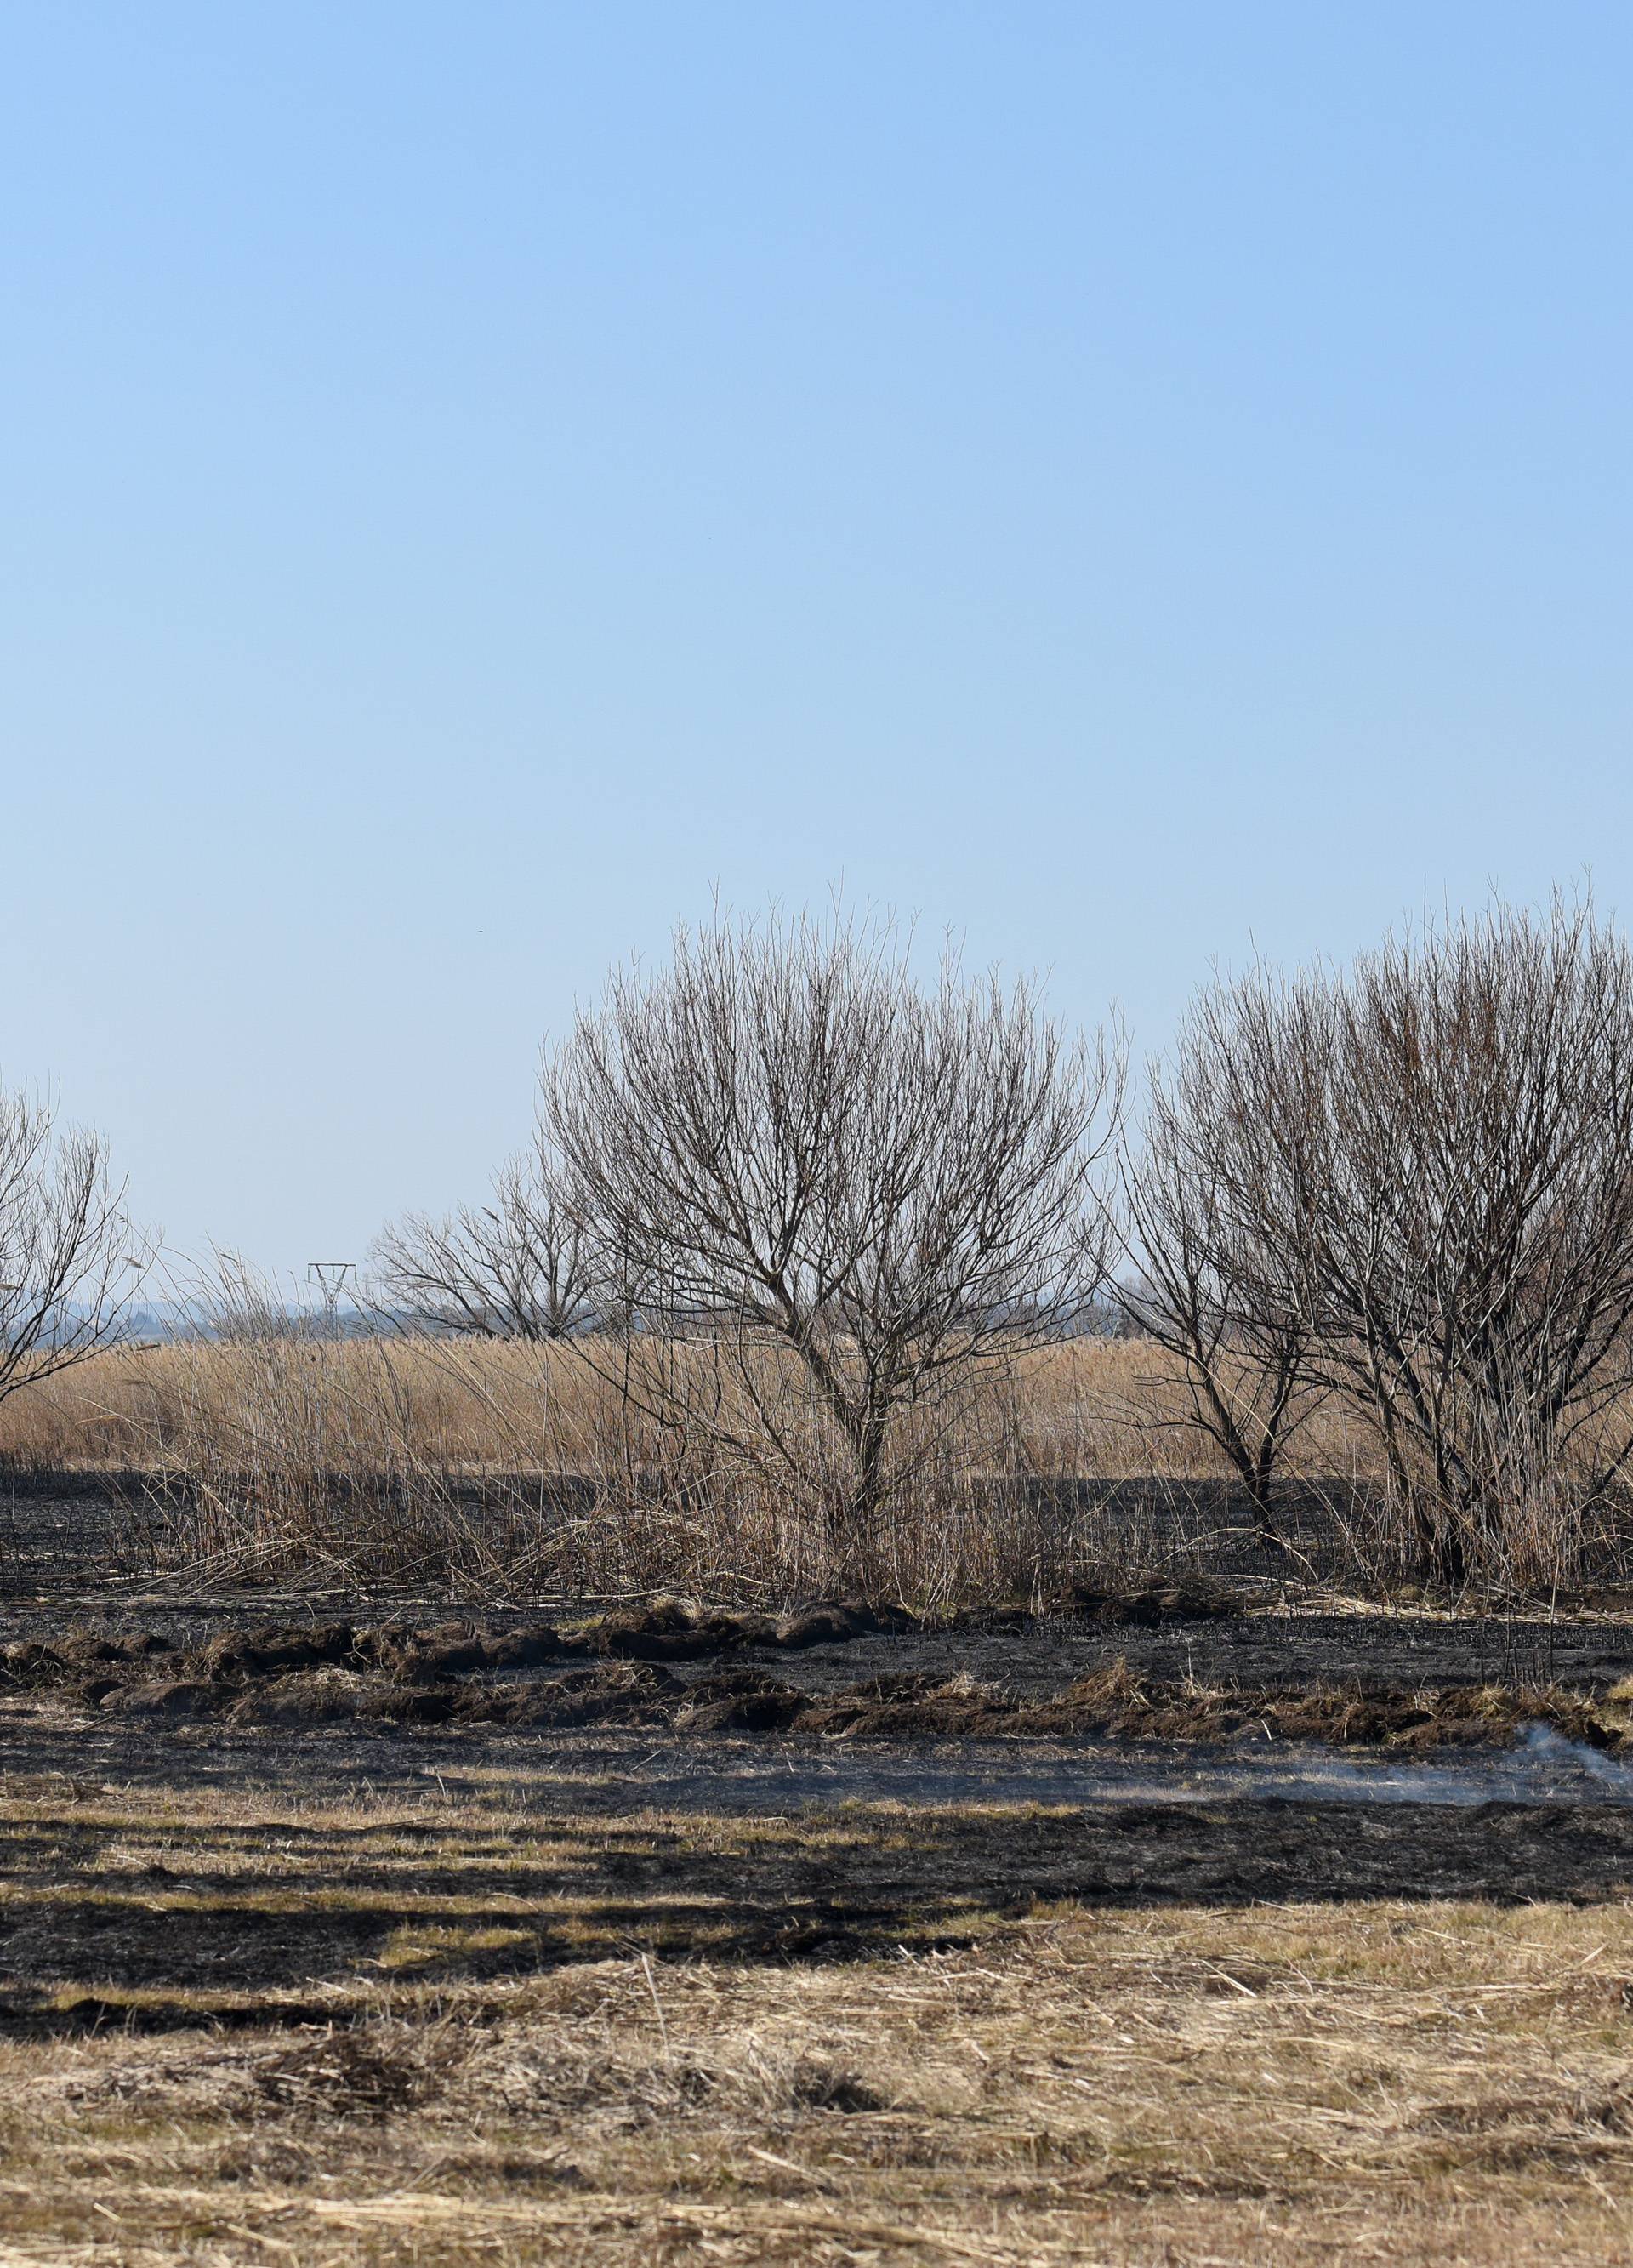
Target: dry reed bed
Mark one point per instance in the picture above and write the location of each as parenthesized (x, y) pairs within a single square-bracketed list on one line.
[(1087, 1408), (505, 1470), (499, 1469)]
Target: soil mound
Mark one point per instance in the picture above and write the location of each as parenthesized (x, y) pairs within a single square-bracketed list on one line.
[(164, 1696), (631, 1668), (671, 1629), (836, 1622), (274, 1648), (1190, 1600)]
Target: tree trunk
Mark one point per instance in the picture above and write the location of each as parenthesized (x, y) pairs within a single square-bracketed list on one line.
[(1260, 1483)]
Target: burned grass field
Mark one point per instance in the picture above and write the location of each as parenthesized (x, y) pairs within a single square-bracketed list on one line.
[(1183, 1927)]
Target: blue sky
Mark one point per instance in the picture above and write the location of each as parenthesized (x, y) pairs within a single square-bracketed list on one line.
[(1131, 483)]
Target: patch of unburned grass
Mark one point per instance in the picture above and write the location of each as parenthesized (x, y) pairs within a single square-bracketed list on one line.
[(409, 1948), (1448, 2083)]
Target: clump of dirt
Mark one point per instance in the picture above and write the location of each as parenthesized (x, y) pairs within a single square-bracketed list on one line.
[(674, 1629), (422, 1657), (913, 1706), (740, 1701), (526, 1649), (670, 1630), (626, 1693), (79, 1653), (165, 1696), (622, 1693), (341, 2074), (275, 1649), (1148, 1606), (836, 1624), (816, 2084), (305, 1697)]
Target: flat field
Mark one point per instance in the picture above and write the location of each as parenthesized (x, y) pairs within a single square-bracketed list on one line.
[(1162, 1934)]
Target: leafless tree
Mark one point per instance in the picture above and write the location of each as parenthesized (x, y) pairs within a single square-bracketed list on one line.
[(1444, 1158), (517, 1268), (858, 1195), (1229, 1312), (71, 1261)]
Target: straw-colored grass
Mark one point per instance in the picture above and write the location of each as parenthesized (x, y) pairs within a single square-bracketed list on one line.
[(536, 1470), (1441, 2083), (457, 2007), (1087, 1408), (544, 1470)]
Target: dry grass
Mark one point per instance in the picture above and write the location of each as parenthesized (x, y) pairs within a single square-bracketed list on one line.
[(524, 1470), (506, 1469), (252, 2016), (1441, 2083), (1085, 1409)]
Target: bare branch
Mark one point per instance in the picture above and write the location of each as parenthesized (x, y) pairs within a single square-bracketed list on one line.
[(71, 1262), (517, 1268), (788, 1145)]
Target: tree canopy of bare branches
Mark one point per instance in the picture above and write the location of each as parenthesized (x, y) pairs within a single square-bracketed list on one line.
[(857, 1193), (70, 1260), (1438, 1151), (517, 1268), (1228, 1308)]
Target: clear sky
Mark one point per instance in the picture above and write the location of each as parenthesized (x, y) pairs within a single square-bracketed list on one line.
[(1128, 482)]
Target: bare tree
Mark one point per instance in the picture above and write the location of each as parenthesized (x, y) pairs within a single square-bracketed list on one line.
[(1444, 1155), (517, 1268), (857, 1195), (71, 1261), (1230, 1312)]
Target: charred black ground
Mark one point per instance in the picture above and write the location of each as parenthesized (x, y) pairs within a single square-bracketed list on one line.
[(1177, 1662), (249, 1807)]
